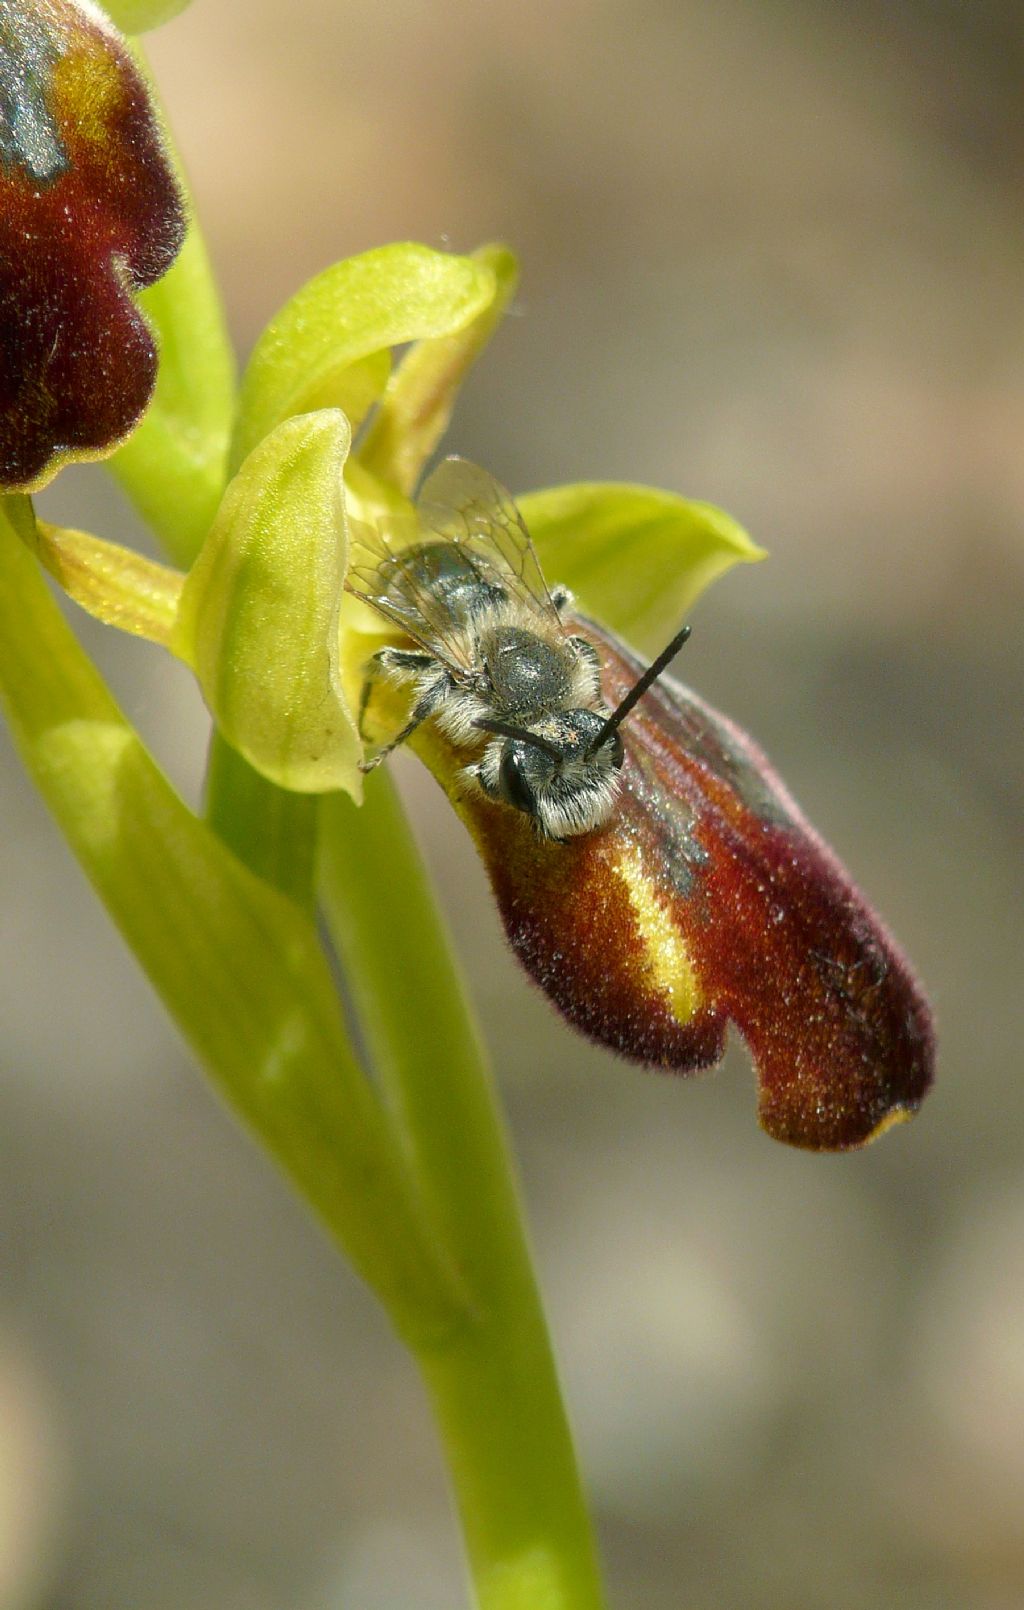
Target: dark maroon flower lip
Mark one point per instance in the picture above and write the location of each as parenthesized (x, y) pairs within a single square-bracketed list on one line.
[(89, 213), (709, 899)]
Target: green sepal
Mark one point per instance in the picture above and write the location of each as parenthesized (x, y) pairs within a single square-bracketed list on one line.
[(635, 557), (417, 404), (328, 346), (138, 16), (113, 584), (258, 620)]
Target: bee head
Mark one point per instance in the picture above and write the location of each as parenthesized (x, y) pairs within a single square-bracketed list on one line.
[(561, 771)]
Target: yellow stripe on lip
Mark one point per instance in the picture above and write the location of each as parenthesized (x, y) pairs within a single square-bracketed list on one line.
[(667, 958)]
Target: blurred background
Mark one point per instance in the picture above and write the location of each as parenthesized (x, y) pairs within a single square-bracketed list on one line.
[(772, 258)]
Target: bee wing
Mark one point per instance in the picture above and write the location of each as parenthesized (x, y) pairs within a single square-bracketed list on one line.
[(461, 503), (406, 595)]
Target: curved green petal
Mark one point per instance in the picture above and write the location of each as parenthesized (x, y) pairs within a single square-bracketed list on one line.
[(259, 610), (115, 585), (635, 557), (327, 347)]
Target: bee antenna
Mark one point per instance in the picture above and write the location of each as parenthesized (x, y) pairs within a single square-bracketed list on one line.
[(505, 729), (639, 688)]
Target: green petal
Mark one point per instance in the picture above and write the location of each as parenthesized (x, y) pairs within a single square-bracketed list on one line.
[(328, 345), (635, 557), (259, 610), (114, 584)]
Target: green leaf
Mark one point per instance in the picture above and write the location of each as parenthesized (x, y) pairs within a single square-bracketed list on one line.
[(328, 345), (259, 610), (635, 557), (138, 16), (417, 405), (237, 965), (175, 464)]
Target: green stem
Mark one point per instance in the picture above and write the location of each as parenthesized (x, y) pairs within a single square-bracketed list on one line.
[(174, 465), (492, 1379), (510, 1459)]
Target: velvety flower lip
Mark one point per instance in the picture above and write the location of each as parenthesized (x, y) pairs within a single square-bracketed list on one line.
[(708, 899), (89, 212)]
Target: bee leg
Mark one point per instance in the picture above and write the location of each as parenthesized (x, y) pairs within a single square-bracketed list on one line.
[(402, 660), (426, 707), (387, 659)]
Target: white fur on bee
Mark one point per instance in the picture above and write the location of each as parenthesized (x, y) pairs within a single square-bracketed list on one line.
[(586, 804)]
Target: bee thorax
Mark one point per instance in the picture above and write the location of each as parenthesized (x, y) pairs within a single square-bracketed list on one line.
[(526, 672)]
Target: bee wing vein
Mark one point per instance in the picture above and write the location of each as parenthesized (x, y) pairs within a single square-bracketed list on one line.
[(397, 593), (461, 503)]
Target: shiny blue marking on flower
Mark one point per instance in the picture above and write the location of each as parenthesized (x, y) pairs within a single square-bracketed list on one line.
[(29, 139), (89, 214)]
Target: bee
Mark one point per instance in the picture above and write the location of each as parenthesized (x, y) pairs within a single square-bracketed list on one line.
[(495, 662)]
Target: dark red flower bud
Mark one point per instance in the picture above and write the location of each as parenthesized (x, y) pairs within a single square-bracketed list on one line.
[(89, 213)]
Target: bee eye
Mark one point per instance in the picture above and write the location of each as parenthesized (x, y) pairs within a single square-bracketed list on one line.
[(513, 785)]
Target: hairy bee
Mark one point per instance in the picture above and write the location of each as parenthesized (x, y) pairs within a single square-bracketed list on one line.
[(494, 662)]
